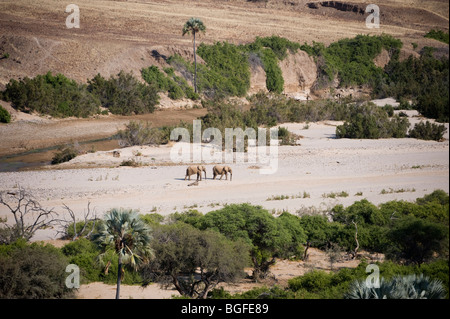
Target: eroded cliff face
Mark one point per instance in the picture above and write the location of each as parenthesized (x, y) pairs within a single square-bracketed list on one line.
[(299, 73)]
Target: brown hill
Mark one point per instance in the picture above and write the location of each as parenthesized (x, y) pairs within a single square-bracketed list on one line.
[(129, 35)]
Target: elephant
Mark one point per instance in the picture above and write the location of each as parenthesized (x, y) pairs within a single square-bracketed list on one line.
[(195, 169), (221, 170)]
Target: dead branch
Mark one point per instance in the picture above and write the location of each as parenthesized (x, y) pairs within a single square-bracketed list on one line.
[(24, 207), (65, 224)]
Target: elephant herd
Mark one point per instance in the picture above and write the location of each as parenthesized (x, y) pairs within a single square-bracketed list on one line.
[(217, 170)]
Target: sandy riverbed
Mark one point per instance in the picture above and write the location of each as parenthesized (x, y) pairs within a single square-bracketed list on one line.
[(378, 170)]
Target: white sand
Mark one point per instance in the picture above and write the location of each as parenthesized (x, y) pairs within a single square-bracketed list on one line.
[(319, 166), (405, 168)]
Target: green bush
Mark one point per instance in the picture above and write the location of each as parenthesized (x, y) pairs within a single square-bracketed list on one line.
[(84, 254), (351, 60), (33, 271), (428, 131), (406, 80), (53, 95), (5, 117), (438, 35), (124, 94), (176, 86), (369, 121), (228, 61), (417, 240)]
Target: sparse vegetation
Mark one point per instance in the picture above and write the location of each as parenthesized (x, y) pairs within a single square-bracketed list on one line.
[(65, 154), (138, 133)]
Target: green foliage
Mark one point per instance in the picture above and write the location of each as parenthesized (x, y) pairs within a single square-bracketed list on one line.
[(54, 95), (227, 72), (267, 236), (351, 60), (425, 80), (227, 69), (84, 253), (438, 35), (271, 50), (176, 86), (124, 94), (274, 75), (369, 121), (64, 154), (412, 232), (32, 271), (428, 131), (230, 63), (279, 46), (417, 240), (5, 117), (153, 219), (181, 249)]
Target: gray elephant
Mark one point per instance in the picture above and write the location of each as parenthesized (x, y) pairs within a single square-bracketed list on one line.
[(221, 170), (195, 169)]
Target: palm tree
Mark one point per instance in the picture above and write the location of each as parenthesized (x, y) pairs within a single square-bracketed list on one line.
[(124, 233), (400, 287), (194, 26)]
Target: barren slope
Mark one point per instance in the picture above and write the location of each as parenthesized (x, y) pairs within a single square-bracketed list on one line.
[(116, 35)]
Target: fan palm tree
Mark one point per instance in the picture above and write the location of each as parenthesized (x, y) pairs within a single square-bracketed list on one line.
[(124, 233), (194, 26), (400, 287)]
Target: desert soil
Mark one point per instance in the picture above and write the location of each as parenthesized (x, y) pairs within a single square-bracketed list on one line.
[(130, 35)]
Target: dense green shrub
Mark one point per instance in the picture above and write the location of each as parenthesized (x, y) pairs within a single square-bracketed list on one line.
[(54, 95), (5, 117), (369, 121), (268, 237), (124, 94), (428, 131), (84, 253), (417, 240), (32, 271), (351, 60), (175, 86), (413, 232), (230, 62), (182, 252), (227, 72), (425, 80), (438, 35)]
